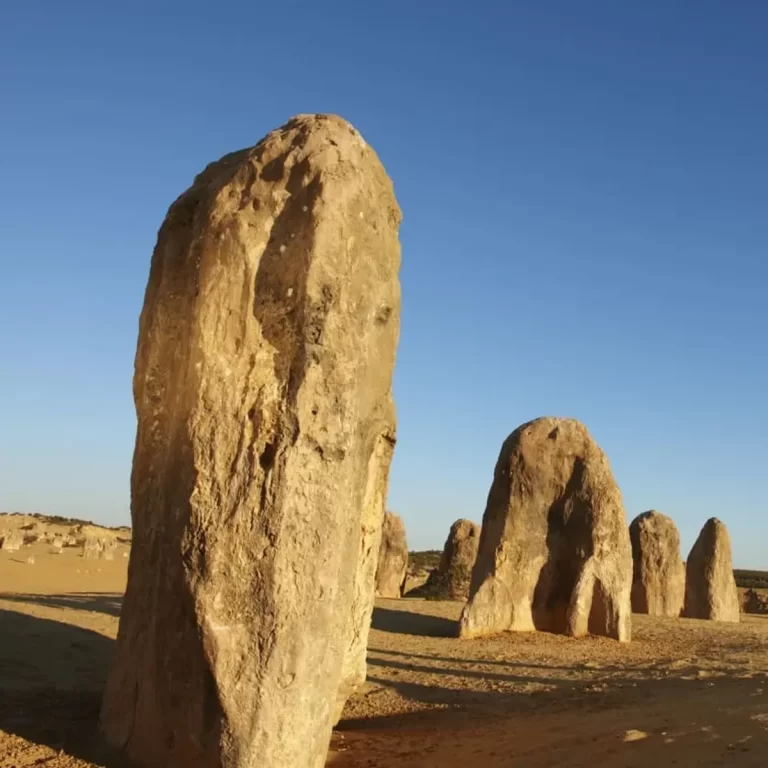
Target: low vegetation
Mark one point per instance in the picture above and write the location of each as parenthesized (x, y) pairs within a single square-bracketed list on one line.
[(751, 579), (424, 561)]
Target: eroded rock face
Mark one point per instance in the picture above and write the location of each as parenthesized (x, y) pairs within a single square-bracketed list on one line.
[(451, 579), (710, 587), (554, 548), (355, 665), (265, 432), (658, 583), (392, 567)]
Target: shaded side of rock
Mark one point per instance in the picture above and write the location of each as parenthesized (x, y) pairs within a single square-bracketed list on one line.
[(265, 429), (355, 665), (710, 586), (392, 566), (754, 602), (554, 549), (658, 582)]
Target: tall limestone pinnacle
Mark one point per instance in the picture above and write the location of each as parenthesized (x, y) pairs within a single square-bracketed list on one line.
[(554, 549), (658, 583), (265, 433), (710, 586)]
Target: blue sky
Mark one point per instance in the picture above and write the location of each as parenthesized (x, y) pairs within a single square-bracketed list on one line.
[(585, 229)]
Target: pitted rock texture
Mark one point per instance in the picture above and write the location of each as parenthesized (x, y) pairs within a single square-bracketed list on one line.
[(265, 432)]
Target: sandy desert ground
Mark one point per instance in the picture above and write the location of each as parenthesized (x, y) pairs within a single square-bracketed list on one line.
[(683, 693)]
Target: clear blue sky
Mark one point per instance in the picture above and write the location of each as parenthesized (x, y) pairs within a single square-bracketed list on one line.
[(585, 192)]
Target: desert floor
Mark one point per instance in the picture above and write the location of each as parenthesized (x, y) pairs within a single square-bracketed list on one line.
[(683, 693)]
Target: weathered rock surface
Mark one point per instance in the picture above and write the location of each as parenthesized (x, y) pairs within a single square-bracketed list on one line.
[(658, 582), (451, 579), (92, 548), (99, 548), (710, 587), (265, 432), (355, 664), (12, 540), (554, 548), (392, 567)]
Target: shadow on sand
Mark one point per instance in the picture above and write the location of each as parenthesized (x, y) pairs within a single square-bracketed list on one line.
[(407, 623), (51, 677), (98, 602)]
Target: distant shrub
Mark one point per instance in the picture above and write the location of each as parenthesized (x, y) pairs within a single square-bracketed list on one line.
[(751, 579), (424, 561)]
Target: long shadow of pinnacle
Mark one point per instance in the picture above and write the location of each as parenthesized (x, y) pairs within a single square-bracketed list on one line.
[(51, 677), (98, 602)]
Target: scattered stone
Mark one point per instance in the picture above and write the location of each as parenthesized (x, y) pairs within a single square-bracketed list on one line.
[(658, 583), (554, 548), (633, 735), (392, 568), (57, 545), (710, 587), (451, 579), (31, 560), (265, 431)]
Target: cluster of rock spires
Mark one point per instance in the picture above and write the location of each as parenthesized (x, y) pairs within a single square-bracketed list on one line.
[(266, 428), (660, 584), (702, 588), (555, 553), (97, 548)]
